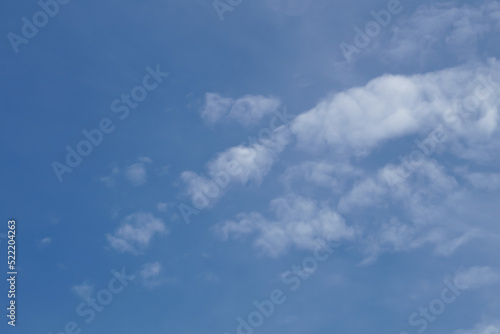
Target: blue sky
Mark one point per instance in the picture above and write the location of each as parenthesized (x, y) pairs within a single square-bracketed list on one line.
[(252, 166)]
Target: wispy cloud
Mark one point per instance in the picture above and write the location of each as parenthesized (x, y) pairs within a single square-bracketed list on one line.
[(485, 327), (84, 290), (476, 277), (136, 232), (136, 174), (238, 164), (441, 30), (247, 110), (150, 275), (300, 222), (46, 241)]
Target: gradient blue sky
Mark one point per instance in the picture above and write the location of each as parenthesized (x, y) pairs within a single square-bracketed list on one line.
[(326, 174)]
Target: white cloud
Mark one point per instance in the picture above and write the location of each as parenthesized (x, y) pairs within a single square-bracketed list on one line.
[(46, 241), (320, 174), (238, 164), (150, 275), (396, 236), (136, 232), (481, 181), (110, 180), (366, 193), (425, 198), (136, 174), (300, 222), (358, 120), (353, 123), (84, 290), (439, 30), (392, 236), (345, 128), (215, 107), (247, 110), (427, 201), (482, 328), (429, 179), (163, 207), (477, 277), (488, 181), (255, 160)]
